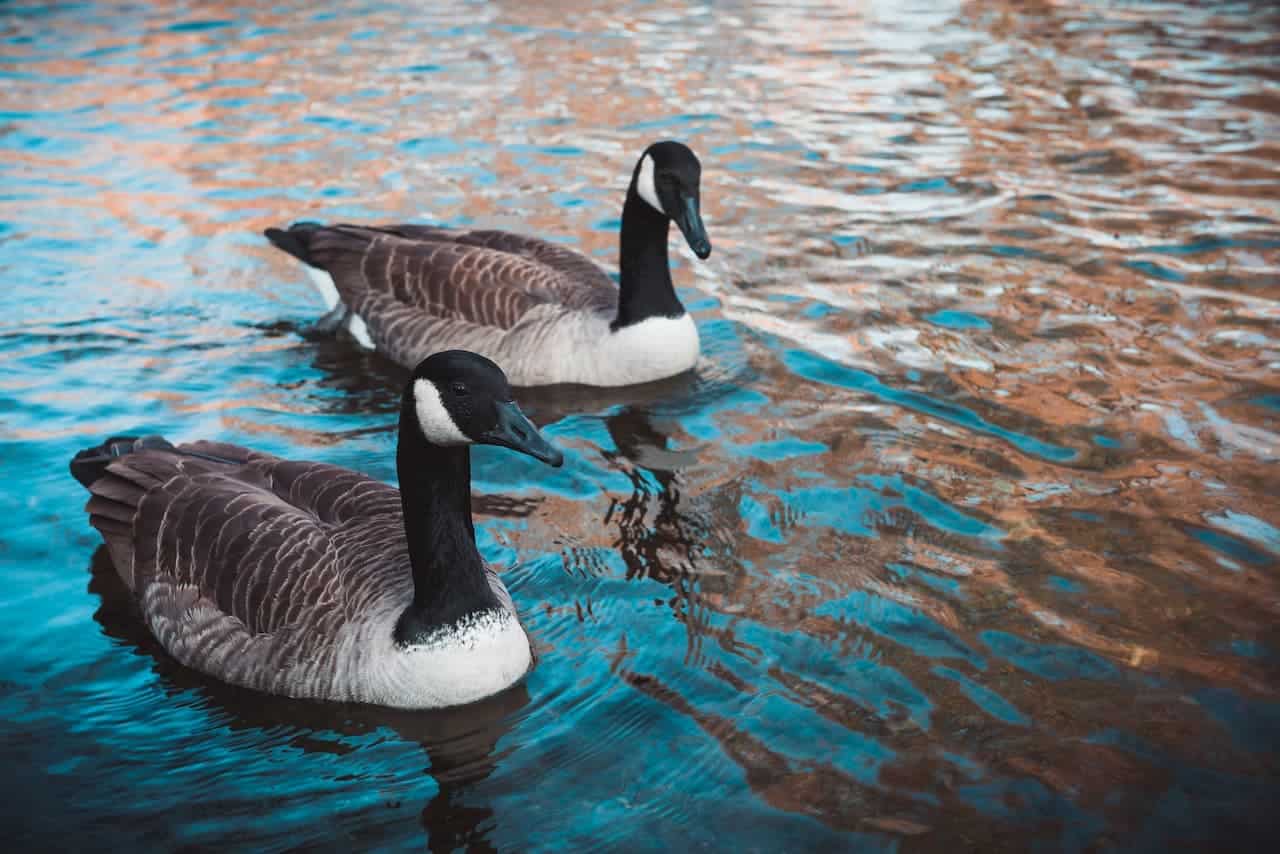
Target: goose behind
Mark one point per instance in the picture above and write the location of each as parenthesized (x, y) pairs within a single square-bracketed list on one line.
[(313, 581), (547, 313)]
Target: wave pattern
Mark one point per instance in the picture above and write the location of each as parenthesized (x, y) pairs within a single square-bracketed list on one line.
[(964, 533)]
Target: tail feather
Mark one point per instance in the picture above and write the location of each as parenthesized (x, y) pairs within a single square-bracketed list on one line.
[(90, 464), (114, 500), (124, 493), (333, 248), (296, 240), (116, 535), (119, 479), (106, 508)]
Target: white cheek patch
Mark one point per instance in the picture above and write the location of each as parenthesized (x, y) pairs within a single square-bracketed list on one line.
[(645, 186), (433, 419)]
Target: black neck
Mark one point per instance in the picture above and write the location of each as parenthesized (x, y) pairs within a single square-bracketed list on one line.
[(435, 493), (645, 287)]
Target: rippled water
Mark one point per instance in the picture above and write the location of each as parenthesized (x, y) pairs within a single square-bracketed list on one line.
[(965, 535)]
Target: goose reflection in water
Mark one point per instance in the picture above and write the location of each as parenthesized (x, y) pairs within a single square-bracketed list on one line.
[(662, 535)]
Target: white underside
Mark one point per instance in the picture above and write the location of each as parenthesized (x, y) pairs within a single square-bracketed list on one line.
[(329, 293), (650, 350), (324, 284), (475, 659), (552, 346), (355, 325)]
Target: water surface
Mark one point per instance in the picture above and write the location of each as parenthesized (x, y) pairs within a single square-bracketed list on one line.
[(963, 536)]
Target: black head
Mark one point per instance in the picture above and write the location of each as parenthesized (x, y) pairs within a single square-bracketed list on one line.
[(668, 177), (462, 398)]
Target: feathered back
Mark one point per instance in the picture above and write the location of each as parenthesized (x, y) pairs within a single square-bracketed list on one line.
[(244, 563), (230, 507), (486, 278)]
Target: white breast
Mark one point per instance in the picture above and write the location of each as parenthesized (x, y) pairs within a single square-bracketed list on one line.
[(581, 348), (475, 659), (649, 350)]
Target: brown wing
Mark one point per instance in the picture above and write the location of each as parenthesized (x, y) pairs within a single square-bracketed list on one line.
[(407, 334), (487, 278), (580, 278), (271, 543)]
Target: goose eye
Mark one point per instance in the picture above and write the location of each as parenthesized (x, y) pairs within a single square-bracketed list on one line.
[(459, 389)]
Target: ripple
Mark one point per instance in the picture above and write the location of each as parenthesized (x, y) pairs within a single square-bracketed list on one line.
[(962, 528)]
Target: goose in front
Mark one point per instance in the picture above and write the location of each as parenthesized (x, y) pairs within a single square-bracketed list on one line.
[(546, 313), (313, 581)]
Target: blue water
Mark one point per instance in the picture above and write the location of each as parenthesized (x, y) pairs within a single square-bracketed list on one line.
[(961, 536)]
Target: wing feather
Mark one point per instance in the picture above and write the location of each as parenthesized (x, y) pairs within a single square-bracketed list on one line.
[(576, 270), (490, 279), (257, 543)]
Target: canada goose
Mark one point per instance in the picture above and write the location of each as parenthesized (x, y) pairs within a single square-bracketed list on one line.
[(546, 313), (461, 742), (313, 581)]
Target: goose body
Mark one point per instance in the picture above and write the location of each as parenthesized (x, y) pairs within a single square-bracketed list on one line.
[(313, 581), (548, 314)]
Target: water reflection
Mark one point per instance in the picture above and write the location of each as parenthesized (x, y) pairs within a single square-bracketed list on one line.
[(962, 532), (659, 535)]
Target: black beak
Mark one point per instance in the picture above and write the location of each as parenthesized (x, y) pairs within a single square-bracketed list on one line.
[(689, 220), (516, 432)]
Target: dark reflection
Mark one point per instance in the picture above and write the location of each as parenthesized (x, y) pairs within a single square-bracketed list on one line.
[(461, 743), (367, 382), (661, 536), (638, 438), (818, 789), (547, 404), (666, 547)]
